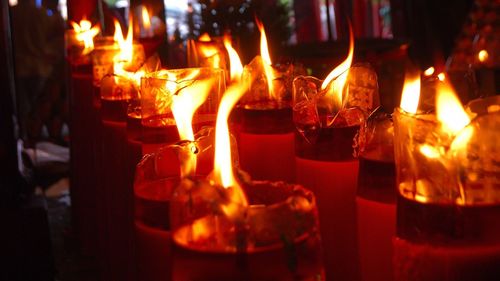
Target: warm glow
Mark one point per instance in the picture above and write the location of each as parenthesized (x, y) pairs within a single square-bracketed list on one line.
[(205, 38), (184, 105), (429, 71), (126, 45), (483, 55), (449, 110), (339, 76), (236, 68), (266, 59), (173, 84), (223, 166), (85, 33), (441, 76), (411, 94), (210, 51), (146, 19), (430, 151)]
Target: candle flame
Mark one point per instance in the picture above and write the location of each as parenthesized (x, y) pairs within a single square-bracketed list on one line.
[(266, 60), (205, 38), (184, 105), (430, 151), (441, 76), (236, 68), (429, 71), (146, 19), (85, 33), (483, 55), (223, 170), (339, 75), (449, 110), (411, 94), (125, 44)]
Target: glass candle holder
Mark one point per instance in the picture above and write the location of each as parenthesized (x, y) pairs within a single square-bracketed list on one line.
[(278, 239), (210, 54), (376, 198), (263, 123), (447, 204), (326, 146), (157, 89)]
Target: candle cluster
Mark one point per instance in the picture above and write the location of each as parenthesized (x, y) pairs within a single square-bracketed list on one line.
[(259, 172)]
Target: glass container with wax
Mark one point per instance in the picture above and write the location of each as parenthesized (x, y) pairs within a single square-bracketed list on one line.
[(263, 121), (208, 52), (325, 144), (79, 42), (275, 237), (448, 203), (157, 175), (157, 88), (376, 198)]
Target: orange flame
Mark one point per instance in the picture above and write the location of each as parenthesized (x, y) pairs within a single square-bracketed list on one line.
[(236, 68), (340, 72), (411, 94), (449, 110), (205, 38), (266, 59), (125, 44), (211, 51), (85, 33), (146, 19), (223, 170), (483, 55), (184, 105)]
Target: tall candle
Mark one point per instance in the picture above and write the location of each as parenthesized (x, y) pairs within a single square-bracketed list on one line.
[(376, 200), (446, 199)]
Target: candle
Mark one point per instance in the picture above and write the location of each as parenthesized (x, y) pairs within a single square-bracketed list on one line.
[(446, 200), (327, 116), (376, 199)]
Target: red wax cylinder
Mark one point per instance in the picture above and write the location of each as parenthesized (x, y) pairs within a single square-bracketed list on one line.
[(265, 136), (83, 175), (376, 215), (327, 167)]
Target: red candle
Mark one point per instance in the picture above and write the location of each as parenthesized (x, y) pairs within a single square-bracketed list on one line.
[(273, 245), (376, 214), (265, 134), (328, 168)]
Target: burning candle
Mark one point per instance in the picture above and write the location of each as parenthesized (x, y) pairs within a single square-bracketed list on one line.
[(376, 199), (80, 41), (327, 115), (447, 204), (271, 235), (263, 119), (115, 92), (207, 52)]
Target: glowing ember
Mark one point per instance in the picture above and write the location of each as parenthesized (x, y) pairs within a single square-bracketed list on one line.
[(411, 94), (266, 59), (85, 33), (339, 76), (223, 170), (236, 68), (483, 55), (449, 110)]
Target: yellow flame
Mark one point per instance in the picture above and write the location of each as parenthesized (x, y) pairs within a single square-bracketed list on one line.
[(126, 45), (146, 19), (483, 55), (449, 110), (85, 33), (340, 72), (223, 169), (236, 68), (185, 104), (266, 60), (429, 71), (205, 38), (441, 76), (411, 94)]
